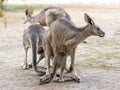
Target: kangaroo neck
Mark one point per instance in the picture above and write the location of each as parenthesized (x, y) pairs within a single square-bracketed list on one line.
[(85, 32), (36, 18)]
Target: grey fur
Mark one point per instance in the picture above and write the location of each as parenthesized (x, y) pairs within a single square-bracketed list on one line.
[(32, 37), (41, 17), (63, 32)]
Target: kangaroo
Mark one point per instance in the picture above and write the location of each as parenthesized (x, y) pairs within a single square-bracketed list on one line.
[(41, 17), (63, 32), (32, 37), (59, 61)]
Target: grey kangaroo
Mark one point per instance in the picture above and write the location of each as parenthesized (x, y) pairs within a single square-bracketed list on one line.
[(32, 37), (63, 32)]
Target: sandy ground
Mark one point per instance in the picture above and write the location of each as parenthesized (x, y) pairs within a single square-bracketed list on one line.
[(94, 77)]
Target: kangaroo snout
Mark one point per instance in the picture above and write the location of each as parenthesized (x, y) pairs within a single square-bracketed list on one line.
[(103, 34)]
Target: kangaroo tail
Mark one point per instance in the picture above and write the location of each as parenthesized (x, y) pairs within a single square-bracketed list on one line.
[(34, 46)]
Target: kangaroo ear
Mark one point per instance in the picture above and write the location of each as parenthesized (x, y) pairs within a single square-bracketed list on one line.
[(26, 12), (88, 19), (29, 10)]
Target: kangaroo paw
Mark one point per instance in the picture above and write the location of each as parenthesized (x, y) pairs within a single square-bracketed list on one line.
[(76, 78), (24, 67), (45, 79)]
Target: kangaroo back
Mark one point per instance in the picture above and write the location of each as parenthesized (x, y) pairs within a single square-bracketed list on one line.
[(41, 17), (32, 37)]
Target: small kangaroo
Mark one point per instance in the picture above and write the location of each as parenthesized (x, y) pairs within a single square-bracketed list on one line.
[(59, 62), (32, 37), (41, 17), (63, 32)]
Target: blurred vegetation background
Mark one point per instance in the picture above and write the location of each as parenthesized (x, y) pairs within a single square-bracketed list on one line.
[(4, 8), (2, 15)]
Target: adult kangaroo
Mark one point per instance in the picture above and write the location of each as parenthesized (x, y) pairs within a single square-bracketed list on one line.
[(32, 37), (41, 17), (63, 32)]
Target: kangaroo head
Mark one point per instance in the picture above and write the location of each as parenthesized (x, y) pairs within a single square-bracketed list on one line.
[(95, 29), (28, 17)]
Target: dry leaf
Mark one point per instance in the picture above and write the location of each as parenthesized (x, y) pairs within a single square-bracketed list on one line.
[(30, 10), (1, 14)]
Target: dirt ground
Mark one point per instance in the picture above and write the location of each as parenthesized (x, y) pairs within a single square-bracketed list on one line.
[(97, 61)]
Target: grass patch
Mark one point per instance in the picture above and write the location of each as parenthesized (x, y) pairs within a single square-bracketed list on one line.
[(101, 55), (21, 7), (104, 66), (93, 63), (14, 14)]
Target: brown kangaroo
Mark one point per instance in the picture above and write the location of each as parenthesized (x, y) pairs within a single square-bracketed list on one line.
[(41, 17), (63, 32)]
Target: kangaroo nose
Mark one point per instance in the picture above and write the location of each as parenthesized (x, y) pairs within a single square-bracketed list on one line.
[(103, 34)]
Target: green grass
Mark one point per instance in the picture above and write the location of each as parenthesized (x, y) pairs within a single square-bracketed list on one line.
[(14, 14), (21, 7), (93, 63), (101, 55)]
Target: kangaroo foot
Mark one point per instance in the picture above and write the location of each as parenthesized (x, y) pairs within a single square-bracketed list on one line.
[(60, 80), (76, 78), (24, 66), (45, 79)]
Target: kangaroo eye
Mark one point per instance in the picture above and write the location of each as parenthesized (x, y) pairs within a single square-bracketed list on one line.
[(98, 28)]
